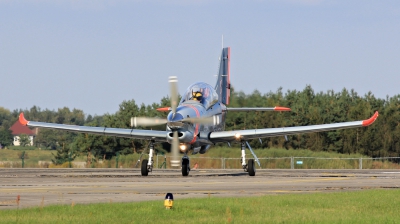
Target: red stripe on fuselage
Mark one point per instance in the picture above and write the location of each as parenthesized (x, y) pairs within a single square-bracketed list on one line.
[(196, 130), (228, 91)]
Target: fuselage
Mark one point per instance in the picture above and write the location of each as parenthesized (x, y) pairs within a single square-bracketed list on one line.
[(196, 135)]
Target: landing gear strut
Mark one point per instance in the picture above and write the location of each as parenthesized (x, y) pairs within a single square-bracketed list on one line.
[(243, 160), (147, 165)]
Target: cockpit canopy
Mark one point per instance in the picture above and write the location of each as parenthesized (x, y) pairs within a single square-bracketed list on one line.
[(202, 93)]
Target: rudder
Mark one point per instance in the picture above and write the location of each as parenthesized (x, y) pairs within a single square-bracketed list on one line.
[(223, 86)]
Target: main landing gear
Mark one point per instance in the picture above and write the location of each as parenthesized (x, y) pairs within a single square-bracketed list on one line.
[(147, 165), (250, 166)]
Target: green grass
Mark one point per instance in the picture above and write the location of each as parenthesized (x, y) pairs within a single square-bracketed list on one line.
[(279, 159), (369, 206), (234, 152), (34, 156)]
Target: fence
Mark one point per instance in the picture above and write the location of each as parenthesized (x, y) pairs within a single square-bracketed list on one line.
[(234, 163)]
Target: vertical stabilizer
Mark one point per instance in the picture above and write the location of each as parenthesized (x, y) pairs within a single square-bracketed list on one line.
[(223, 86)]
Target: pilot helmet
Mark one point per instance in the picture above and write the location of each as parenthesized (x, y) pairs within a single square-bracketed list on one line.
[(197, 96), (197, 93)]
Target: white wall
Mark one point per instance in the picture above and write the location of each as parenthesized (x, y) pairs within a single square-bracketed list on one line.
[(16, 140)]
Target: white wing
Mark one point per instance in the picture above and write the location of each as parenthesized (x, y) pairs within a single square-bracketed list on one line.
[(226, 136)]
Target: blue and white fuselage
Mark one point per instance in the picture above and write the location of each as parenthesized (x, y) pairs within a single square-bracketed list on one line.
[(195, 135)]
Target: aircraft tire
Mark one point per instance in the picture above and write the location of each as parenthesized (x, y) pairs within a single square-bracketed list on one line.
[(251, 168), (185, 167), (144, 170)]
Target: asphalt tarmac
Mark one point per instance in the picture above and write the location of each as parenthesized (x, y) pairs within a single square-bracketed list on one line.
[(41, 187)]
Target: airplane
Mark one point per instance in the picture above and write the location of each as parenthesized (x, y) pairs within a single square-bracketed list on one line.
[(198, 121)]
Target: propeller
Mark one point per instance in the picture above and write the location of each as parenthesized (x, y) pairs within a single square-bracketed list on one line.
[(147, 121), (173, 87), (175, 150), (153, 121), (203, 120)]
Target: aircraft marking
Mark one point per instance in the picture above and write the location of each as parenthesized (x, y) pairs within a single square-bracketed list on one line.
[(196, 131)]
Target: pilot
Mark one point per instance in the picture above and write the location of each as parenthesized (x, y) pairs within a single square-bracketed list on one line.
[(198, 96)]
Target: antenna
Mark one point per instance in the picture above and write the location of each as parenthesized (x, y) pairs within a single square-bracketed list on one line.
[(222, 41)]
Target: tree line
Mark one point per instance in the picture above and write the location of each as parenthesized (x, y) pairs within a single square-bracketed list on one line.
[(308, 108)]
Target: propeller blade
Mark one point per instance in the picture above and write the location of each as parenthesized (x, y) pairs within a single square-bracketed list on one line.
[(203, 120), (175, 150), (147, 121), (173, 84)]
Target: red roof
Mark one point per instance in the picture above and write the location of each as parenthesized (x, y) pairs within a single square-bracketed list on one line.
[(18, 129)]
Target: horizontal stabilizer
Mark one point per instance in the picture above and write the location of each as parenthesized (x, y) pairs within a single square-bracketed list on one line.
[(238, 109)]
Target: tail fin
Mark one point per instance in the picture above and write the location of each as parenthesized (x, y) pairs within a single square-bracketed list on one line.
[(223, 86)]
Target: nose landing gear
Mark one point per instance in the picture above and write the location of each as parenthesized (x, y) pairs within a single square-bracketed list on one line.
[(185, 165)]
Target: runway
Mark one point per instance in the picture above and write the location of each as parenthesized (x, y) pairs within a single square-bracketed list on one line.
[(41, 187)]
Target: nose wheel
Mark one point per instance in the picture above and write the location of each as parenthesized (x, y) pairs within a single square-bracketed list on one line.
[(185, 166)]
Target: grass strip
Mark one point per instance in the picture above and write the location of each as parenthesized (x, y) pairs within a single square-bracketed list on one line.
[(368, 206)]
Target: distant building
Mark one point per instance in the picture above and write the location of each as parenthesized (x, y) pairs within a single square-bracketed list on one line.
[(19, 129)]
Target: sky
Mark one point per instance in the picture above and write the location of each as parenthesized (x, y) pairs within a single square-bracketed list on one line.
[(94, 54)]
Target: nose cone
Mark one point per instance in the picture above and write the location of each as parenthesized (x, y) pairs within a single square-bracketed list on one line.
[(174, 117), (175, 120)]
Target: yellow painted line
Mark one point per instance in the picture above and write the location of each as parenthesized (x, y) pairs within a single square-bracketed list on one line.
[(300, 180), (50, 189), (8, 202), (281, 191), (324, 179), (339, 174)]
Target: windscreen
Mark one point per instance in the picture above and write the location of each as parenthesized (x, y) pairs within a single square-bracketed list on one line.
[(202, 93)]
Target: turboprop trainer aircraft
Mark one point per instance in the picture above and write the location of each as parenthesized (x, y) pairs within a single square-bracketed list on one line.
[(198, 122)]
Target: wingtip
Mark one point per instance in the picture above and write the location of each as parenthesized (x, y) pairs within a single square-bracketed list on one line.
[(370, 120), (282, 109), (22, 119), (164, 109)]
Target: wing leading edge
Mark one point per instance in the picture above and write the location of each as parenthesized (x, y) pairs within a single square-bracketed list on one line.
[(227, 136), (160, 136), (238, 109)]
